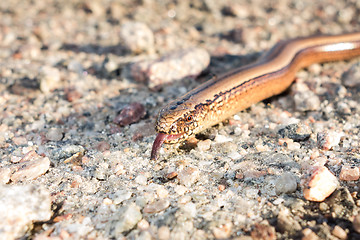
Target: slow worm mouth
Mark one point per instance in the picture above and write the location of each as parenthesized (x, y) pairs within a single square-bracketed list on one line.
[(159, 140)]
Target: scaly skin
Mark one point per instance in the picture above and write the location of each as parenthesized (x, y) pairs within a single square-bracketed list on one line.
[(220, 98)]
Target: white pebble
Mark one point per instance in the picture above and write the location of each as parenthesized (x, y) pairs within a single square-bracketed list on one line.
[(189, 209), (162, 192), (320, 184), (141, 179), (188, 176), (137, 36), (121, 196), (164, 233), (127, 217), (329, 139), (5, 174), (180, 190), (204, 145), (222, 139), (49, 78)]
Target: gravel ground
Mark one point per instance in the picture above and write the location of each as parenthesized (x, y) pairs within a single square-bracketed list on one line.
[(82, 82)]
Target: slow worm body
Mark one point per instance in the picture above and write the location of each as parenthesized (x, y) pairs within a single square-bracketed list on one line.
[(222, 97)]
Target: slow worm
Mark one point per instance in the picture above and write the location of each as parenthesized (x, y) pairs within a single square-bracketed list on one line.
[(222, 97)]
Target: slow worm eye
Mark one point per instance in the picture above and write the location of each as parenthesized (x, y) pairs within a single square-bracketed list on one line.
[(189, 118)]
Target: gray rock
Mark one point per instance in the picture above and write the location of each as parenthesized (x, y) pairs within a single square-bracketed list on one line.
[(297, 132), (286, 183), (54, 134), (351, 78)]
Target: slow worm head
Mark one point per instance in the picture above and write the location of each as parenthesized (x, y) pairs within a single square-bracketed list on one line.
[(220, 98)]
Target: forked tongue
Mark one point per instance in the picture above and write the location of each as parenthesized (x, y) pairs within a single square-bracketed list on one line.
[(159, 140)]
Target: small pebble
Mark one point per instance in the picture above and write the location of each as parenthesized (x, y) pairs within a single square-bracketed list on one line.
[(297, 132), (349, 173), (75, 66), (323, 207), (49, 78), (343, 108), (19, 140), (174, 66), (184, 199), (315, 68), (188, 176), (222, 139), (346, 15), (278, 201), (103, 146), (308, 234), (351, 78), (30, 167), (339, 232), (306, 101), (321, 184), (164, 233), (329, 139), (181, 190), (72, 94), (171, 175), (30, 51), (286, 183), (293, 146), (137, 37), (54, 134), (130, 114), (356, 223), (5, 174), (223, 232), (157, 206), (252, 173), (107, 201), (162, 192), (189, 210), (126, 218), (141, 179), (143, 225), (101, 171), (204, 145), (121, 196)]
